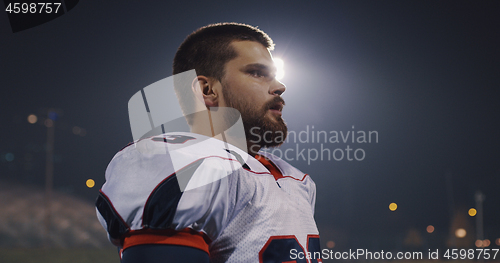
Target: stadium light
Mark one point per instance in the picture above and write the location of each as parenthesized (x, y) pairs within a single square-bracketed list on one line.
[(280, 69)]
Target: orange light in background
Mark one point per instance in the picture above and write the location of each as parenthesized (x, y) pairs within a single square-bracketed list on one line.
[(330, 244), (497, 241), (486, 243), (430, 229), (472, 212), (90, 183), (32, 118), (48, 123), (393, 206), (460, 233), (479, 243)]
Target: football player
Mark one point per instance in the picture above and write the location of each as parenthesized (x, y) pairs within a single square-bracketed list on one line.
[(194, 197)]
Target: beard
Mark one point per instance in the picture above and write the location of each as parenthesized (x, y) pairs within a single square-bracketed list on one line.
[(259, 129)]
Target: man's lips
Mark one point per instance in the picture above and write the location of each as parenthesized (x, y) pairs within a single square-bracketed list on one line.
[(276, 112), (276, 107)]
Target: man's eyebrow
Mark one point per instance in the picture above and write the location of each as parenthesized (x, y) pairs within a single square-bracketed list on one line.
[(259, 66)]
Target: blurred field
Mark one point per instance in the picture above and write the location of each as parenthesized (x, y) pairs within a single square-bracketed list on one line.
[(58, 255), (75, 234)]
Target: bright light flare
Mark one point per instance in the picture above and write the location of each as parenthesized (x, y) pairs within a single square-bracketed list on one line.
[(280, 68), (393, 206)]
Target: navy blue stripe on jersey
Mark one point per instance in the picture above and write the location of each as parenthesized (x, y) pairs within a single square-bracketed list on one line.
[(153, 253), (115, 225), (280, 248), (239, 158), (162, 203)]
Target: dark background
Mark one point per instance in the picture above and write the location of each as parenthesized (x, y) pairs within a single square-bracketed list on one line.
[(423, 74)]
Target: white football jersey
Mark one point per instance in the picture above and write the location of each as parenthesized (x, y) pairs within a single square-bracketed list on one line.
[(192, 190)]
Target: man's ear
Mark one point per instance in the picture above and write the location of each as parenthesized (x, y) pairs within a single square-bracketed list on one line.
[(209, 94)]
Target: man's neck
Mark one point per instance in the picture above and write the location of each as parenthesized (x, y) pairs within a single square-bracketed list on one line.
[(253, 148), (210, 124)]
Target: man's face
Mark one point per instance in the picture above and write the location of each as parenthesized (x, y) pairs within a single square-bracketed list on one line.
[(249, 85)]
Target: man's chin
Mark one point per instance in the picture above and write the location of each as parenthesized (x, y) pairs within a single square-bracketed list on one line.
[(273, 117)]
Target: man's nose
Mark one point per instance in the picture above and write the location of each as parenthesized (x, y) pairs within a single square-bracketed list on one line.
[(277, 88)]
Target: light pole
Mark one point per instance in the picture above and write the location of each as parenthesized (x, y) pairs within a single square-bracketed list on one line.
[(480, 197), (49, 170)]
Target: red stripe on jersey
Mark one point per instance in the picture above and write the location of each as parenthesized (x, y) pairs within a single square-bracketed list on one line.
[(270, 166), (186, 237)]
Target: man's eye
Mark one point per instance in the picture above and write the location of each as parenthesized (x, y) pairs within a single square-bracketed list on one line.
[(257, 73)]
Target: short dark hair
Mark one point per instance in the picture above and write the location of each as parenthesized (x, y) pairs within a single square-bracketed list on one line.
[(208, 49)]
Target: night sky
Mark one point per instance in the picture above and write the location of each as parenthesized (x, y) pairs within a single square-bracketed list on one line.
[(425, 75)]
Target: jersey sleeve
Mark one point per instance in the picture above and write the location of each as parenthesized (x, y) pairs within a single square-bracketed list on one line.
[(312, 194)]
